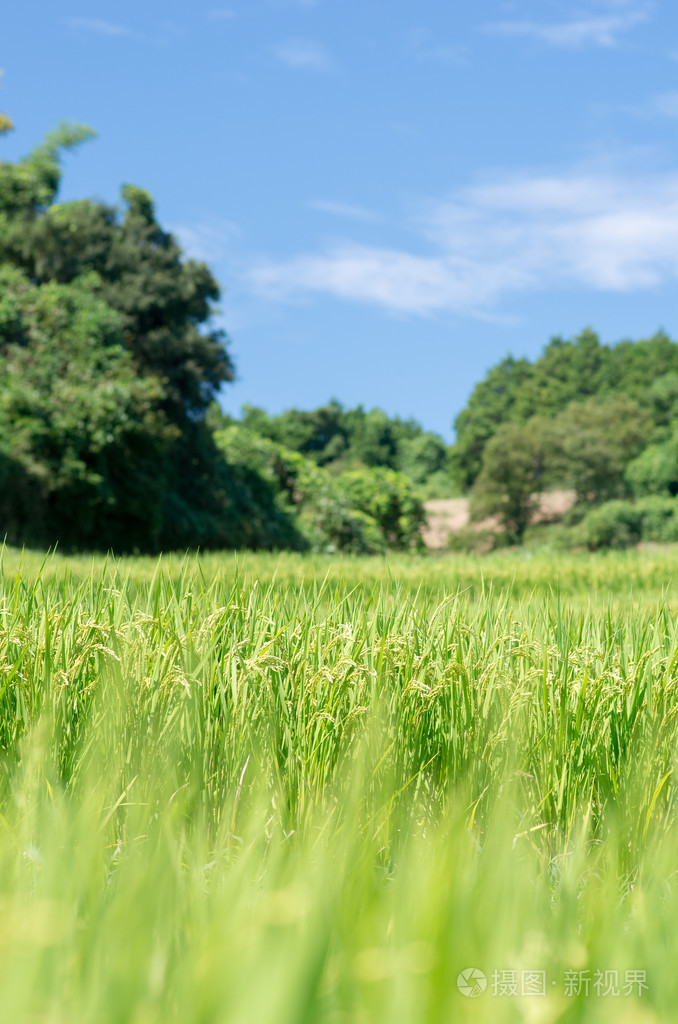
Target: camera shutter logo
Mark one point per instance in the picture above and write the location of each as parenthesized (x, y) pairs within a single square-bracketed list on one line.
[(472, 982)]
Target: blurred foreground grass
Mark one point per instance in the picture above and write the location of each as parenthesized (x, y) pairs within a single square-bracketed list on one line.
[(274, 789)]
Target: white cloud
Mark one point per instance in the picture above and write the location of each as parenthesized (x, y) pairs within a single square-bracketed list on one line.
[(346, 210), (210, 243), (489, 241), (304, 54), (102, 28), (586, 31), (400, 281)]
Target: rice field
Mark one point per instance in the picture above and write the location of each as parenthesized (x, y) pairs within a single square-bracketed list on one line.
[(263, 788)]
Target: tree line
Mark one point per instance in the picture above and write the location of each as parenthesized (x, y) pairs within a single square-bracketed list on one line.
[(111, 436), (601, 420), (110, 364)]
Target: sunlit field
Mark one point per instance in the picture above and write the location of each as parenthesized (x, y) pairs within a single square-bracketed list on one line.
[(264, 788)]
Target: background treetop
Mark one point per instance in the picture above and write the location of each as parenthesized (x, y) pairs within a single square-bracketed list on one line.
[(165, 301), (567, 371)]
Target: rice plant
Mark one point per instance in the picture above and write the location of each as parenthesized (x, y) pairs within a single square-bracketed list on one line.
[(274, 788)]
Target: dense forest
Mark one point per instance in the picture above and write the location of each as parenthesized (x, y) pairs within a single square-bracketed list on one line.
[(111, 436)]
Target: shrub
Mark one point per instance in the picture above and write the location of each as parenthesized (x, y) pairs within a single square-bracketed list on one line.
[(330, 524), (390, 500), (659, 519), (616, 524), (621, 524), (361, 512)]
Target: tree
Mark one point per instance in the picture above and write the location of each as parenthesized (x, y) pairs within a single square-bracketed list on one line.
[(83, 440), (372, 437), (343, 439), (363, 512), (655, 470), (165, 301), (597, 439), (637, 367), (514, 470), (422, 456), (163, 304), (162, 298), (390, 499), (566, 372), (663, 394), (490, 405), (28, 188)]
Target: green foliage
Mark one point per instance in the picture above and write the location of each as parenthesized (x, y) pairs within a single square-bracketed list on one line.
[(388, 498), (373, 437), (664, 399), (330, 522), (344, 439), (310, 433), (161, 298), (597, 439), (362, 511), (655, 470), (567, 372), (83, 439), (108, 363), (442, 484), (289, 479), (645, 369), (660, 520), (513, 472), (616, 524), (587, 447), (28, 187), (490, 405), (422, 457), (621, 524)]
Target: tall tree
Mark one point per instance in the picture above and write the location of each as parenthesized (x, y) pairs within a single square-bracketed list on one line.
[(514, 470), (165, 301), (597, 439), (491, 404), (83, 439), (110, 273)]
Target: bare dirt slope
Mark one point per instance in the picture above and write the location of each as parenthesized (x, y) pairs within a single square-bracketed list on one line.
[(444, 516), (450, 515)]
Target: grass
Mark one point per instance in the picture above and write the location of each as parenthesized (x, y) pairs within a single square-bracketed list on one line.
[(276, 789)]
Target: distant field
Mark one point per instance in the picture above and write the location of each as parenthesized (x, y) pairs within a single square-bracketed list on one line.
[(264, 788)]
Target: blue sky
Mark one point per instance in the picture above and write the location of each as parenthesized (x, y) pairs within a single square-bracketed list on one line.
[(393, 194)]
